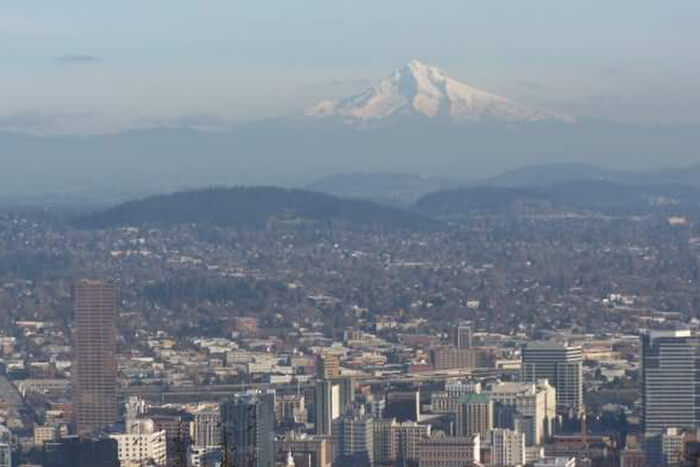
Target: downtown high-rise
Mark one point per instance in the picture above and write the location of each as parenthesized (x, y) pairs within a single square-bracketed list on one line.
[(562, 366), (670, 380), (326, 406), (248, 429), (670, 391), (95, 361)]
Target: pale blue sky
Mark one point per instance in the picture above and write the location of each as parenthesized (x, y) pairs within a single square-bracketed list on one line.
[(107, 65)]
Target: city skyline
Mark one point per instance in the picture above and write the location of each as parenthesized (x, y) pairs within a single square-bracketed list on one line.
[(349, 233)]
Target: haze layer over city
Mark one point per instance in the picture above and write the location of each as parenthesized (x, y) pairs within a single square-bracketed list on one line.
[(349, 233)]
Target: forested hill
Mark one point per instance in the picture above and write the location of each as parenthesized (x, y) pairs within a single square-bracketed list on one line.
[(252, 207), (576, 195)]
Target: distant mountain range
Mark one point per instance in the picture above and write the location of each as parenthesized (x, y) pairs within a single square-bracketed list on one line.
[(418, 120), (262, 207), (558, 173), (384, 188), (597, 196), (254, 208), (536, 181)]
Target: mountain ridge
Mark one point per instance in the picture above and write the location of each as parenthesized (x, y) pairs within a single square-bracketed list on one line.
[(387, 188), (601, 196), (252, 207)]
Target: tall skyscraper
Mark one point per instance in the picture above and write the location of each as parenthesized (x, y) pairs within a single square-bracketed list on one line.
[(326, 406), (346, 387), (95, 366), (670, 380), (670, 390), (248, 429), (462, 336), (562, 366)]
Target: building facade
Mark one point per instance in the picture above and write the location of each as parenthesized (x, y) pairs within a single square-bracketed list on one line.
[(307, 450), (74, 451), (143, 443), (396, 442), (353, 439), (248, 429), (290, 409), (95, 365), (507, 448), (449, 358), (328, 366), (670, 380), (326, 406), (5, 447), (529, 407), (462, 336), (206, 426), (670, 389), (446, 401), (556, 462), (444, 451), (562, 366), (474, 415), (43, 434)]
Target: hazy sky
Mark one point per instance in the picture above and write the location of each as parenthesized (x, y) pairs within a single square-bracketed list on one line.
[(105, 65)]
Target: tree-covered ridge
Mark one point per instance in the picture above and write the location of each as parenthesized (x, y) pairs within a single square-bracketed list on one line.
[(252, 207)]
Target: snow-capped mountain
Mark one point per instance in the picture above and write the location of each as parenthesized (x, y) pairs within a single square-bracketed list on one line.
[(419, 89)]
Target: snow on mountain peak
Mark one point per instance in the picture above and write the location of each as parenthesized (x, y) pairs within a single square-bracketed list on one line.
[(419, 89)]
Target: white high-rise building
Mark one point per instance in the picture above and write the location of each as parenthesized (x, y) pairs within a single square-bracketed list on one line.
[(672, 447), (141, 444), (507, 448), (206, 426), (528, 407)]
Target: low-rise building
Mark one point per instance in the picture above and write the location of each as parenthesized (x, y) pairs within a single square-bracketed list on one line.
[(140, 444)]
